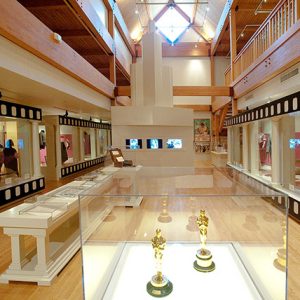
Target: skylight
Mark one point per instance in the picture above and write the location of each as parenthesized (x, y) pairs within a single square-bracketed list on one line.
[(172, 24)]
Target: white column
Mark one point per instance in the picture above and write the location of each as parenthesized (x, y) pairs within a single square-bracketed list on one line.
[(35, 149), (254, 154), (229, 145), (245, 147), (275, 151), (17, 252), (42, 244)]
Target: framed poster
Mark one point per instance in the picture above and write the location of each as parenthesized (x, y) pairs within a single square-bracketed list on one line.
[(201, 130)]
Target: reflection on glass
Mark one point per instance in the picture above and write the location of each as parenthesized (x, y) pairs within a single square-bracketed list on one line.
[(265, 148), (42, 142)]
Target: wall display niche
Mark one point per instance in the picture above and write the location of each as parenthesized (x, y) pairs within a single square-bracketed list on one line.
[(83, 144), (19, 164)]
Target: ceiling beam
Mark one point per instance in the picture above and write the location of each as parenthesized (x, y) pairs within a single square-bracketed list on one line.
[(73, 33), (186, 91), (42, 4), (182, 13), (182, 49), (160, 14), (222, 25), (195, 107)]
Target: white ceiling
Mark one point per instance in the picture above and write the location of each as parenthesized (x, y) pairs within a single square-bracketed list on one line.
[(204, 16)]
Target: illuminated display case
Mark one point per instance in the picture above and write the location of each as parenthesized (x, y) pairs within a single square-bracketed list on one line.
[(246, 234)]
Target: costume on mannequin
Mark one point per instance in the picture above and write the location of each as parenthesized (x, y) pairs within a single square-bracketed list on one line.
[(265, 147)]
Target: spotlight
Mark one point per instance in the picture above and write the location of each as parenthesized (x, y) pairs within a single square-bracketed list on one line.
[(66, 114), (207, 8), (242, 34), (196, 46), (0, 95), (91, 119), (136, 11)]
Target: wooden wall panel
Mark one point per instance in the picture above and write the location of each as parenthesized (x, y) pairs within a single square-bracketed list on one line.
[(29, 33)]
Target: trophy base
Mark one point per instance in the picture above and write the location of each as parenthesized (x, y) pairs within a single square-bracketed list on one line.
[(159, 289), (280, 262), (204, 262)]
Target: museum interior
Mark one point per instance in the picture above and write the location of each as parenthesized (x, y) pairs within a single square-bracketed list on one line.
[(149, 149)]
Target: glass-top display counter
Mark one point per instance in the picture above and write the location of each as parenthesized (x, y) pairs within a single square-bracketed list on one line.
[(209, 246)]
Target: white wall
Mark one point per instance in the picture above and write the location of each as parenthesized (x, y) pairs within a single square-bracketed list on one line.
[(190, 71), (221, 64)]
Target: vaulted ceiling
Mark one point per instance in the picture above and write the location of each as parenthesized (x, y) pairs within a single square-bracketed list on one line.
[(203, 15)]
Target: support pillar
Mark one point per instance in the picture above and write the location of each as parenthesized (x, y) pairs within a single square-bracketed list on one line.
[(42, 243), (229, 145), (18, 252), (254, 166), (35, 149), (246, 147), (275, 151)]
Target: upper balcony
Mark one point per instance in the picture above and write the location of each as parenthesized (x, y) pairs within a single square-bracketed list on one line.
[(95, 48), (273, 48)]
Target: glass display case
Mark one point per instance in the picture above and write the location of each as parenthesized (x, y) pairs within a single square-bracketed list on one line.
[(246, 235)]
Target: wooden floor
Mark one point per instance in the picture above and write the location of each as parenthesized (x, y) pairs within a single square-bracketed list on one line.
[(68, 284)]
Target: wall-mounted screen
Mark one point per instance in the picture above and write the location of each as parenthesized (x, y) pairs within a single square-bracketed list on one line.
[(133, 144), (174, 143), (154, 143), (294, 143)]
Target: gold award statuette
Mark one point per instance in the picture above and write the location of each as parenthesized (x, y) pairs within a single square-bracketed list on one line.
[(203, 262), (280, 261), (159, 286)]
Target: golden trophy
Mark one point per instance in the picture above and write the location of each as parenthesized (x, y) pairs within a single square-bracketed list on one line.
[(159, 286), (280, 261), (203, 262)]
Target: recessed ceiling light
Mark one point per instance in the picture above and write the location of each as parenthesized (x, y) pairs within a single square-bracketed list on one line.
[(207, 8), (196, 46), (242, 34), (136, 11)]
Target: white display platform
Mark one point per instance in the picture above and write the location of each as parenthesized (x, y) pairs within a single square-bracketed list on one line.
[(45, 216), (122, 271)]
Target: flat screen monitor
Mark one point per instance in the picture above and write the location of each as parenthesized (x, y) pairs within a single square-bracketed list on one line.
[(154, 143), (294, 143), (174, 143), (133, 144)]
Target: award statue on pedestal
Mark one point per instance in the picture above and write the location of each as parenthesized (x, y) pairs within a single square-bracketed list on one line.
[(159, 286), (280, 261), (203, 262)]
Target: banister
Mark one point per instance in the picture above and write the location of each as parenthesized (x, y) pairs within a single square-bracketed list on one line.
[(261, 27)]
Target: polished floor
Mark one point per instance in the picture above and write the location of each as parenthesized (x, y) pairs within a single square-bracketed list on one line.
[(241, 217)]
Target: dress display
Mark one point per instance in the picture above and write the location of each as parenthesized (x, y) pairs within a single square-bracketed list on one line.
[(265, 148)]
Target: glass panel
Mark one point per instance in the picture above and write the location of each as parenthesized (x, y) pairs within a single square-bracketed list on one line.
[(246, 235), (172, 24), (265, 148)]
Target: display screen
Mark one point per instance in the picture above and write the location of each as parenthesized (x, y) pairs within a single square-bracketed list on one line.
[(294, 143), (174, 143), (133, 144), (154, 143)]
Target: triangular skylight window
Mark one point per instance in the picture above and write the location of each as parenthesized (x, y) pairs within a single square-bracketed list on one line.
[(172, 25)]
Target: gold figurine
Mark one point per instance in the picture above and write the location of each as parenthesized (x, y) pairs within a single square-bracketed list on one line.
[(159, 286), (280, 261), (203, 262)]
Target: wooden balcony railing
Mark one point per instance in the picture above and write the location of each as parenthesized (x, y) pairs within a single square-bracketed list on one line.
[(282, 18)]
